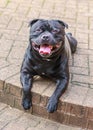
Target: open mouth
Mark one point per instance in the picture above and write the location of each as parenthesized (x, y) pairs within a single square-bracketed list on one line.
[(46, 49)]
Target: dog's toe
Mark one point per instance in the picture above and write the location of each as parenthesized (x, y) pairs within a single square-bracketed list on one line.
[(26, 104), (52, 106)]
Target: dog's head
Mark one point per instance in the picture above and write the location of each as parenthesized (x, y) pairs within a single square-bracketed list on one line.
[(47, 36)]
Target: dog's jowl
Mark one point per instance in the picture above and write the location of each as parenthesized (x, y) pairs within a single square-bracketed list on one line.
[(47, 55)]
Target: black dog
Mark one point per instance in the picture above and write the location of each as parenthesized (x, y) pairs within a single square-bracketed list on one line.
[(47, 55)]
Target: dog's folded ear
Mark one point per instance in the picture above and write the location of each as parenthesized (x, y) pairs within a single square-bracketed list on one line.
[(32, 22), (63, 23)]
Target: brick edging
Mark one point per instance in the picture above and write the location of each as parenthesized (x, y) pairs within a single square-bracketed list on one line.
[(67, 113)]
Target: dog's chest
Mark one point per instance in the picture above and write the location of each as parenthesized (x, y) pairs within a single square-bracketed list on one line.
[(45, 68)]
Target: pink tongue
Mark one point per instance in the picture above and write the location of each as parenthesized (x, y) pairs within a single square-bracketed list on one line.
[(45, 49)]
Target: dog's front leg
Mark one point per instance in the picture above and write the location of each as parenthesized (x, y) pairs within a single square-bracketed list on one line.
[(53, 102), (26, 80)]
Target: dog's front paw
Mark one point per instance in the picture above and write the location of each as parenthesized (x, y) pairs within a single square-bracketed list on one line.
[(52, 105), (26, 103)]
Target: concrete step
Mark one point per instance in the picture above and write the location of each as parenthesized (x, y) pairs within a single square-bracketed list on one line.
[(14, 119), (73, 107)]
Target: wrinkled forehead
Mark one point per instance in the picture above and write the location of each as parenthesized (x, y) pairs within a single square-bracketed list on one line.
[(47, 24), (54, 23)]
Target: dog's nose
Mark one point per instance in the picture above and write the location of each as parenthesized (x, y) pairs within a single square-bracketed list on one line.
[(45, 38)]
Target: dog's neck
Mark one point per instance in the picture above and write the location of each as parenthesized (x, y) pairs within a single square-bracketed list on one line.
[(47, 59)]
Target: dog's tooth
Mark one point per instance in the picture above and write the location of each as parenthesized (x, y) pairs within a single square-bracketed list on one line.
[(51, 47)]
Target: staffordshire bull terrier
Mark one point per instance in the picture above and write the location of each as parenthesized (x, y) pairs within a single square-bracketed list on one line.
[(47, 55)]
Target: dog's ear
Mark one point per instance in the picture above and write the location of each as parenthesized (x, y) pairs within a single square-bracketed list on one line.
[(63, 23), (32, 22)]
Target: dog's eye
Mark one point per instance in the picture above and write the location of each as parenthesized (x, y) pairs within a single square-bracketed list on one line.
[(38, 30), (55, 30)]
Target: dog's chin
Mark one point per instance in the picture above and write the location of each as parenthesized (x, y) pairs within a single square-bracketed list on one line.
[(46, 50)]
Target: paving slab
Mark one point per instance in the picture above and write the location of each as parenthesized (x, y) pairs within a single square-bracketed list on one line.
[(13, 119)]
